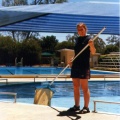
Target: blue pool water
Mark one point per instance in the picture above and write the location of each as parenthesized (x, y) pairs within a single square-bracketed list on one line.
[(41, 70), (63, 96)]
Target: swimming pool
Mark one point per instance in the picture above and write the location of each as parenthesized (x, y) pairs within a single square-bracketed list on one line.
[(63, 96), (41, 70)]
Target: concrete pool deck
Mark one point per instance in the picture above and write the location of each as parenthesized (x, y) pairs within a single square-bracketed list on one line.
[(21, 111)]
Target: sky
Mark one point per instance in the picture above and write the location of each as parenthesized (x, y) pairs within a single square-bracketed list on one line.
[(62, 36)]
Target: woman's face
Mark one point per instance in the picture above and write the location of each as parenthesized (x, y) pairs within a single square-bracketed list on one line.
[(81, 31)]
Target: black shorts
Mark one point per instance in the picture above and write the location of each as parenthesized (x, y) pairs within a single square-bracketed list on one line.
[(80, 73)]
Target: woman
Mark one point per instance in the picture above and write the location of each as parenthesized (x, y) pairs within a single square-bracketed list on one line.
[(80, 70)]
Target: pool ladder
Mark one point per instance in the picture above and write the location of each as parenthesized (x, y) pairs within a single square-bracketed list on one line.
[(10, 93), (95, 101)]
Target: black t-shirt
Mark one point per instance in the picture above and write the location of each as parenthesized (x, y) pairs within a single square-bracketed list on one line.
[(82, 61)]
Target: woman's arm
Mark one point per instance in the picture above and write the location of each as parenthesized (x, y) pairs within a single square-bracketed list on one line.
[(92, 47)]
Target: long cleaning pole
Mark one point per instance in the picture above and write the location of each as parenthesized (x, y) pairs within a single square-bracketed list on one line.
[(76, 56)]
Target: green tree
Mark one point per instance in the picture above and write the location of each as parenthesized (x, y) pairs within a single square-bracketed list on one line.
[(64, 44), (99, 44), (111, 48), (7, 50), (48, 44), (35, 2), (19, 36), (71, 38), (113, 40), (30, 51), (113, 43), (7, 3)]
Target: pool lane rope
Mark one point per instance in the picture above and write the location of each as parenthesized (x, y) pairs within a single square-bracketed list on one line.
[(76, 57)]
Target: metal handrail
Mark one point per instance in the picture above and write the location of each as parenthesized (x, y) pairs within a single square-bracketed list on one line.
[(10, 93), (95, 101), (50, 76)]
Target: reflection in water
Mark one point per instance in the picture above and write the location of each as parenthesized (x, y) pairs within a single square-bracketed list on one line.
[(97, 89), (63, 96)]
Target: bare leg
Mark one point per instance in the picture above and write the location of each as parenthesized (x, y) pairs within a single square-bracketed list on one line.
[(76, 85), (86, 92)]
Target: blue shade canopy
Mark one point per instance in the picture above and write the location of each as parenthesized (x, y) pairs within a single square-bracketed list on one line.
[(61, 18)]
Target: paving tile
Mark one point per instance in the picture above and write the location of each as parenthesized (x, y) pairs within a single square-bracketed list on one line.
[(20, 111)]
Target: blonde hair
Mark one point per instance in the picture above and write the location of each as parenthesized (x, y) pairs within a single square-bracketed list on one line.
[(82, 25)]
